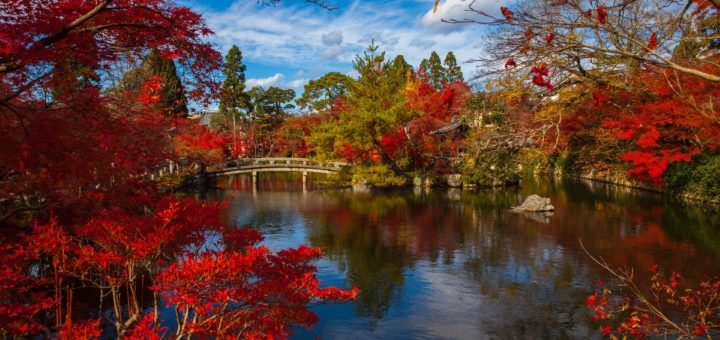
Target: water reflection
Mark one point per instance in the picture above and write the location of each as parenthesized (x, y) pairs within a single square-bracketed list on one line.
[(459, 264)]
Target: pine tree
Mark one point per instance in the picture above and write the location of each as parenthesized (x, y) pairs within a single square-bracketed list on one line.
[(423, 68), (376, 107), (234, 101), (400, 69), (172, 98), (436, 71), (454, 73), (320, 94)]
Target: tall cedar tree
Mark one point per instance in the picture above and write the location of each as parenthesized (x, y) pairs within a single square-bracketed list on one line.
[(172, 100), (401, 69), (234, 101), (453, 71), (436, 72)]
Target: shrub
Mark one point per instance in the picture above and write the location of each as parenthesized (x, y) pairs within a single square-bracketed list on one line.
[(705, 179), (493, 168), (377, 176), (698, 178)]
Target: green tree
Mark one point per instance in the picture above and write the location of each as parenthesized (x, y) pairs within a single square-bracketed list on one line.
[(436, 71), (268, 110), (320, 94), (270, 107), (376, 107), (453, 73), (400, 69), (172, 98), (234, 102), (424, 67)]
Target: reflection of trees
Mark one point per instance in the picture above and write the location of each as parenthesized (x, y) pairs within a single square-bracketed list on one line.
[(373, 264), (527, 278)]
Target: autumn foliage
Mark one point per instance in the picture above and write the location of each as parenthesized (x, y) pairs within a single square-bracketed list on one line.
[(667, 118), (670, 307), (89, 247)]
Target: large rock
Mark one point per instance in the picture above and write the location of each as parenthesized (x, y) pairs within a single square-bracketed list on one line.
[(535, 203)]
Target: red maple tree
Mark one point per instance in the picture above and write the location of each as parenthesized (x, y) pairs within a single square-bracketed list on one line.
[(77, 209)]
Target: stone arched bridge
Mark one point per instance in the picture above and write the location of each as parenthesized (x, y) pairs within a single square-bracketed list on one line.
[(253, 166)]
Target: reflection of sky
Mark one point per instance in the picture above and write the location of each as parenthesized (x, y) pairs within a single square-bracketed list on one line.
[(470, 268)]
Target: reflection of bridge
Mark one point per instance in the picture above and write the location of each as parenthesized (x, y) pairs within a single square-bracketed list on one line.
[(253, 166)]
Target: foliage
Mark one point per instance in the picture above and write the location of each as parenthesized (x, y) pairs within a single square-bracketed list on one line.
[(198, 143), (433, 69), (534, 160), (589, 41), (375, 107), (268, 110), (454, 73), (377, 176), (389, 116), (234, 101), (292, 136), (320, 94), (78, 212), (251, 293), (698, 179), (429, 151), (493, 168), (671, 307), (172, 100), (706, 179), (670, 121)]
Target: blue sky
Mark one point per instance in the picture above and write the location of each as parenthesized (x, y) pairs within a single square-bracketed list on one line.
[(294, 41)]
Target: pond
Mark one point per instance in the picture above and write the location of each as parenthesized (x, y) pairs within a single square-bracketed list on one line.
[(450, 263)]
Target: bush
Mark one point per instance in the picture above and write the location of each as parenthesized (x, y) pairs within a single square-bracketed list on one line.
[(705, 179), (699, 178), (534, 160), (493, 168), (377, 176)]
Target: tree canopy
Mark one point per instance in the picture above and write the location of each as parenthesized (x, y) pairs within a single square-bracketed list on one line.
[(320, 94)]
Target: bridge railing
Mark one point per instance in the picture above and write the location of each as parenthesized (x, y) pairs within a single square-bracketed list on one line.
[(279, 161)]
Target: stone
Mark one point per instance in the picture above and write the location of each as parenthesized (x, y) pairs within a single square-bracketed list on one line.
[(455, 180), (535, 203)]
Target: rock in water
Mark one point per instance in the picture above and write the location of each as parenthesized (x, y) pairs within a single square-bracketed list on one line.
[(535, 203)]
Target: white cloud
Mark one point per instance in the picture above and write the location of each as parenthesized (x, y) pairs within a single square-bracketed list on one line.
[(277, 80), (264, 82), (331, 52), (459, 10), (332, 38), (297, 84), (320, 41), (422, 43)]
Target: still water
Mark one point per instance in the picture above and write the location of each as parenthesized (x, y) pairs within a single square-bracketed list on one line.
[(448, 263)]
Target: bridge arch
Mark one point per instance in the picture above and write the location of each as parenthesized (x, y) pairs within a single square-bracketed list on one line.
[(253, 166)]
